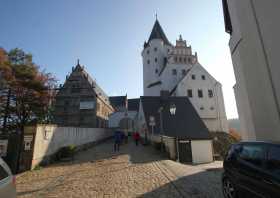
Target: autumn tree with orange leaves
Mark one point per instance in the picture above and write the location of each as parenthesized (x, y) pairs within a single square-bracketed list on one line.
[(25, 91)]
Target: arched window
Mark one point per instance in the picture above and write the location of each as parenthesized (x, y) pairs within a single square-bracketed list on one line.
[(155, 59)]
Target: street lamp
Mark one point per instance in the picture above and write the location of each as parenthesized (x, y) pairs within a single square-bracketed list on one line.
[(172, 109)]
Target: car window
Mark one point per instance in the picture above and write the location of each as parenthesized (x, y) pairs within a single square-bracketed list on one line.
[(273, 160), (253, 154), (3, 173)]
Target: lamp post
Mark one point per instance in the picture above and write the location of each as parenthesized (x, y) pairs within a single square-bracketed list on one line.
[(161, 127), (172, 109)]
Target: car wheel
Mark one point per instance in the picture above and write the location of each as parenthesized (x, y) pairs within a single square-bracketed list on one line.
[(228, 189)]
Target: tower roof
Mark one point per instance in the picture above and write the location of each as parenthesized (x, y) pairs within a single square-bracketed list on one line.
[(157, 33)]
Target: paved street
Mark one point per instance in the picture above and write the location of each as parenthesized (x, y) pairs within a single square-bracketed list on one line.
[(132, 172)]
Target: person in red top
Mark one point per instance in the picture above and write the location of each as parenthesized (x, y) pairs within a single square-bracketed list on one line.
[(136, 138)]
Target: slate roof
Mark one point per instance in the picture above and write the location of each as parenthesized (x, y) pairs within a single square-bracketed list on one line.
[(97, 89), (158, 33), (133, 104), (118, 101), (185, 124)]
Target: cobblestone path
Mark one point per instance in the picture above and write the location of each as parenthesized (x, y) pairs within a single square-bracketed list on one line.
[(100, 172)]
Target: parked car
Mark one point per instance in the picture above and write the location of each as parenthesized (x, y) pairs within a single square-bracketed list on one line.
[(7, 181), (252, 169)]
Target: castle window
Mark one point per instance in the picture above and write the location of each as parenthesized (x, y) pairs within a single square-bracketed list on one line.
[(148, 51), (203, 77), (193, 77), (190, 93), (155, 59), (155, 49), (184, 72), (210, 93), (200, 93), (174, 71), (148, 61)]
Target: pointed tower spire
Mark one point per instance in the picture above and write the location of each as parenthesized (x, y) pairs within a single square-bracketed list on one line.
[(157, 33)]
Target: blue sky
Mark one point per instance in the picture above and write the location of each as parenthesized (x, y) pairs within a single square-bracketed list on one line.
[(108, 36)]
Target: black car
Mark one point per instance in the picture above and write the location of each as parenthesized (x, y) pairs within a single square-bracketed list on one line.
[(252, 169)]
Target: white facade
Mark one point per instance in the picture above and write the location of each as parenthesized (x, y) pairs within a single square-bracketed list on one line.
[(209, 105), (170, 68), (202, 151), (254, 45)]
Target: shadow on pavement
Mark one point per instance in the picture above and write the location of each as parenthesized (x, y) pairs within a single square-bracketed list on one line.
[(105, 151), (205, 184)]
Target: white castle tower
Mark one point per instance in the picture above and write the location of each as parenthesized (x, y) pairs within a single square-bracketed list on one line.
[(176, 69)]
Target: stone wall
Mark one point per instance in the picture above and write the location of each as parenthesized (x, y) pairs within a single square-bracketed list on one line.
[(50, 138)]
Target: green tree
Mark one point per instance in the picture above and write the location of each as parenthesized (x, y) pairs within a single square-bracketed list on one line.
[(26, 91)]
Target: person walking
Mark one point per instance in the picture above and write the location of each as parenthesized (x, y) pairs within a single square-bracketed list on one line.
[(136, 137), (118, 139)]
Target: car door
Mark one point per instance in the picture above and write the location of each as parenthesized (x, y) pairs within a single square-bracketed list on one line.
[(271, 176), (250, 169), (7, 188)]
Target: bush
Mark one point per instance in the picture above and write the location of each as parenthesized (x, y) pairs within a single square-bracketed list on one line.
[(65, 152), (222, 142), (37, 167)]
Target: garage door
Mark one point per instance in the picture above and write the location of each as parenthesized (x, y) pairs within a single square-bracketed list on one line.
[(185, 151)]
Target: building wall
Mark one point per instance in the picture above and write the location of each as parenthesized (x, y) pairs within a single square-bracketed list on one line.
[(115, 118), (77, 103), (254, 46), (151, 70), (49, 138), (210, 109), (202, 151)]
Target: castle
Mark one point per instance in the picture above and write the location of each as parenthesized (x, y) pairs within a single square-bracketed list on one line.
[(176, 69)]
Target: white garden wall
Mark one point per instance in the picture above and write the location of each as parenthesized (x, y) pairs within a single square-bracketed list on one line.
[(49, 138)]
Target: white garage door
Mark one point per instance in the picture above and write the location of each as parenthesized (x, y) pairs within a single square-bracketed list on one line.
[(202, 151)]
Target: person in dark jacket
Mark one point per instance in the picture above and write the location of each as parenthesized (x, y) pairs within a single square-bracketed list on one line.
[(118, 140), (136, 137)]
